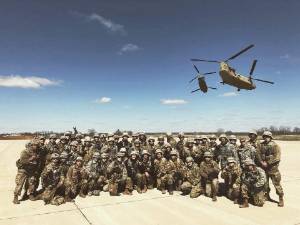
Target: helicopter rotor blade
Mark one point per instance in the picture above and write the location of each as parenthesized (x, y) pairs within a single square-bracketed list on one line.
[(209, 73), (195, 90), (204, 60), (193, 79), (239, 53), (253, 67), (266, 81), (196, 68)]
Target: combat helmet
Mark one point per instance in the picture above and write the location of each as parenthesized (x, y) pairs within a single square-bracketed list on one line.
[(189, 159), (207, 154), (268, 134), (231, 160), (173, 152)]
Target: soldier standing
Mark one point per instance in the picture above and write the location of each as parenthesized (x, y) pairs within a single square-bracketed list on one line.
[(269, 155), (225, 150), (246, 151)]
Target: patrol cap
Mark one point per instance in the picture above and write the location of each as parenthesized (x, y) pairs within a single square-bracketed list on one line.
[(231, 160), (64, 155), (142, 133), (189, 159), (213, 136), (249, 162), (267, 134), (173, 152), (79, 158), (104, 155), (53, 136), (74, 143), (54, 156), (145, 152), (158, 151), (232, 137), (123, 150), (125, 135), (207, 154), (223, 136), (253, 132), (110, 135), (96, 155)]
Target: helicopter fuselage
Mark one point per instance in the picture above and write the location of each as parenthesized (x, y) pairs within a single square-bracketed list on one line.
[(230, 77)]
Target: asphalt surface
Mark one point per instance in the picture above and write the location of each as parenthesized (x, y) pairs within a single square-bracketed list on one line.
[(151, 208)]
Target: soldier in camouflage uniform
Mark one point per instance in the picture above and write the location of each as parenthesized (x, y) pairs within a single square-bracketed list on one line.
[(166, 173), (225, 150), (180, 144), (269, 155), (246, 151), (253, 181), (28, 170), (253, 139), (151, 147), (232, 179), (160, 142), (132, 167), (137, 147), (103, 139), (93, 173), (209, 170), (75, 152), (52, 182), (213, 146), (157, 165), (144, 173), (187, 150), (51, 147), (143, 139), (232, 140), (88, 149), (76, 180), (192, 179), (97, 145), (65, 162), (171, 140), (118, 177), (63, 145), (103, 175), (179, 169), (124, 143)]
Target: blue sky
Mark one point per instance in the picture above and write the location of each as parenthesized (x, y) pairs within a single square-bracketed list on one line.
[(58, 60)]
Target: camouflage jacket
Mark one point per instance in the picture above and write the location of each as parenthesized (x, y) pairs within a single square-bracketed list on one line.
[(246, 152), (76, 174), (209, 170), (132, 167), (192, 175), (225, 151), (145, 166), (254, 180), (29, 161), (117, 170), (167, 167), (231, 175), (158, 164), (179, 166), (52, 175), (93, 168), (271, 153)]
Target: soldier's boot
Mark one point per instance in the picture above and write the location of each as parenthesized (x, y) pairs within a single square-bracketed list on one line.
[(31, 197), (90, 193), (170, 190), (127, 192), (281, 202), (68, 199), (245, 203), (267, 196), (16, 200), (214, 198), (235, 201), (144, 189), (163, 191), (81, 194), (139, 190), (96, 192)]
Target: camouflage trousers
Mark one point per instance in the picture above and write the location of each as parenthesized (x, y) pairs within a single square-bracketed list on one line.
[(26, 181), (211, 187), (275, 176), (73, 188), (97, 183), (118, 186), (194, 190), (258, 195), (144, 181), (232, 191), (53, 195)]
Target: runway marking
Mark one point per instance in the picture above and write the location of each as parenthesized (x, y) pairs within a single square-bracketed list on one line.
[(84, 216)]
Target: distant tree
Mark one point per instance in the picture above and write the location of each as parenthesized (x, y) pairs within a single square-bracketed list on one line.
[(296, 130), (220, 131), (118, 132), (228, 132), (91, 132)]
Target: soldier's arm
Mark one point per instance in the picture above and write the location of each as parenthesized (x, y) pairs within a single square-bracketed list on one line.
[(277, 155), (261, 179), (202, 171)]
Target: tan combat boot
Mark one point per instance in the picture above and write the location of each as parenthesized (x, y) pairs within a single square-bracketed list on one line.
[(127, 192), (245, 203), (280, 203), (16, 200), (214, 198)]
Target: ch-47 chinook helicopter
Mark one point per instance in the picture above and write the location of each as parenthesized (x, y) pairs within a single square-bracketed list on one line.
[(228, 74)]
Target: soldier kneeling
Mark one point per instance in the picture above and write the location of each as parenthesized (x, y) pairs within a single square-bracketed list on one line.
[(231, 175), (192, 179), (93, 171), (209, 170), (253, 184)]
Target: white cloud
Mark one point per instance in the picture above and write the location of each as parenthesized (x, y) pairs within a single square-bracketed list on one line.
[(103, 100), (26, 82), (129, 48), (229, 94), (286, 56), (173, 101), (107, 23)]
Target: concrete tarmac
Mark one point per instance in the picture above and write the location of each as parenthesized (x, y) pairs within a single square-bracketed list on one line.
[(151, 208)]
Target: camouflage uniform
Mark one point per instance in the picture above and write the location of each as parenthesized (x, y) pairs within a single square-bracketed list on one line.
[(52, 182), (144, 173), (232, 179), (76, 180), (209, 170), (226, 150), (157, 165), (28, 169), (93, 172), (166, 173), (246, 151), (253, 185), (192, 179), (269, 155), (179, 170), (118, 177), (132, 167)]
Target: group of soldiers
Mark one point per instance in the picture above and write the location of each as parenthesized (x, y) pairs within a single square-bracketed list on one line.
[(57, 169)]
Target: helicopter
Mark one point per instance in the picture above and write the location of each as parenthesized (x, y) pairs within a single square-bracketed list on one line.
[(229, 75)]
